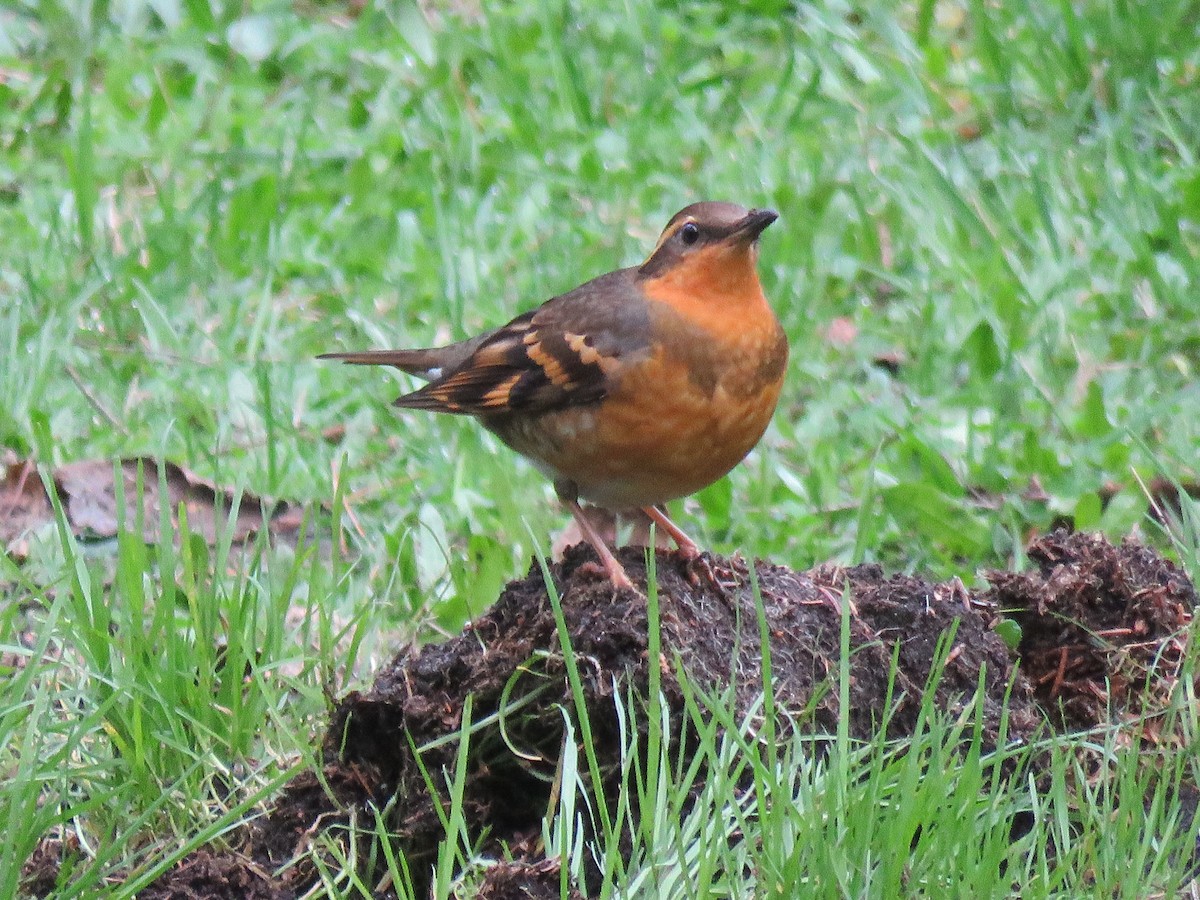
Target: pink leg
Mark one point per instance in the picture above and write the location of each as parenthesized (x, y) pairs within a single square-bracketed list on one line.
[(612, 568), (685, 544), (687, 547)]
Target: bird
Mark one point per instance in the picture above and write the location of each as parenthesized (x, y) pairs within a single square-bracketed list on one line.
[(641, 386)]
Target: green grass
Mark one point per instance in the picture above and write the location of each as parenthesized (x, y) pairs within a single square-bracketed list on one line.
[(197, 197)]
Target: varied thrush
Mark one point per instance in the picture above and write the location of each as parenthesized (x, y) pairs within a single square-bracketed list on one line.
[(638, 387)]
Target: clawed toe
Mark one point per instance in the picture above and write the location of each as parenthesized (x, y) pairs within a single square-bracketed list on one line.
[(595, 569), (700, 570)]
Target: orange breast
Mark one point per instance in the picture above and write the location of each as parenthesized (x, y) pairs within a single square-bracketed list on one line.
[(660, 435), (644, 455)]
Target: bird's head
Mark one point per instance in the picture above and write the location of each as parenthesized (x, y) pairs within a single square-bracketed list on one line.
[(709, 234)]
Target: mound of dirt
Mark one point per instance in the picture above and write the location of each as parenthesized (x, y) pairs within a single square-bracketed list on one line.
[(514, 650), (511, 665), (513, 654), (1104, 629)]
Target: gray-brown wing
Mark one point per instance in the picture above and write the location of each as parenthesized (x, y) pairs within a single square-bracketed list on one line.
[(564, 353)]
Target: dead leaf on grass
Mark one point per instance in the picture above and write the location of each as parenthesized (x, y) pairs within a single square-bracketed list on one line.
[(96, 502)]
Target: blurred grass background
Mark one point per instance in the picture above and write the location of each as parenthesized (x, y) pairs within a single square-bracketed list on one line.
[(1002, 199), (986, 263)]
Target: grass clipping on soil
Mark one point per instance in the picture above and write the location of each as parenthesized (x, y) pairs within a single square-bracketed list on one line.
[(1102, 637)]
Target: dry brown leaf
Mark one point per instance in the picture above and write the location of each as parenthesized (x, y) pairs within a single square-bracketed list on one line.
[(95, 506)]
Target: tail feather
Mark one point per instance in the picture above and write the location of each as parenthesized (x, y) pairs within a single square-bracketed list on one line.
[(426, 364), (430, 363)]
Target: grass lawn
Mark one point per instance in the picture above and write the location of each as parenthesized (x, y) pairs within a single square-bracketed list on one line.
[(987, 263)]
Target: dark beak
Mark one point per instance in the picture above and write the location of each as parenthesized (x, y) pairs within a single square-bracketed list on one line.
[(754, 224)]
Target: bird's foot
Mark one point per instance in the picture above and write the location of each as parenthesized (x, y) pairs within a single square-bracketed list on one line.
[(696, 565), (617, 576), (700, 569)]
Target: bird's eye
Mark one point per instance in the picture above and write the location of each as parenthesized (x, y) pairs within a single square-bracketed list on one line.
[(690, 233)]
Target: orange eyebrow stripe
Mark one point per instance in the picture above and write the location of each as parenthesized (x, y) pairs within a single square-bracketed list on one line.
[(668, 234)]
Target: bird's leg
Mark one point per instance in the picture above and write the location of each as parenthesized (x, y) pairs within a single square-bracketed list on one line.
[(604, 521), (639, 535), (614, 570), (686, 545)]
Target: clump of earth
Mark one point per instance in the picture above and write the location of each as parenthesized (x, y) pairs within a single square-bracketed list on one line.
[(1103, 632)]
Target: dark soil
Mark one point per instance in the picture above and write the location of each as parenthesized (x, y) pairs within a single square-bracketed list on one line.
[(226, 876), (938, 633), (1103, 628), (523, 881), (39, 875)]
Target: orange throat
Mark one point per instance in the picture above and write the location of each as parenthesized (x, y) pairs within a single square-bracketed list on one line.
[(714, 315), (717, 289)]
